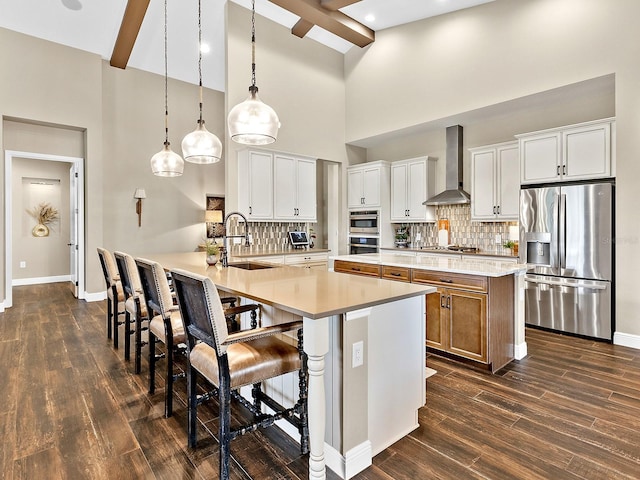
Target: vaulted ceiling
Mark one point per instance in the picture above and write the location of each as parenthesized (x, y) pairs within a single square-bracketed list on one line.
[(94, 26)]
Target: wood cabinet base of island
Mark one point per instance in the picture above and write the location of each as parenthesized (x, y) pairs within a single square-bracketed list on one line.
[(470, 317)]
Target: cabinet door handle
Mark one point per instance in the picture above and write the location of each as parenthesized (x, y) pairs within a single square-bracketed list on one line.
[(249, 210), (494, 209), (445, 280), (498, 209), (442, 301), (558, 170), (564, 169), (449, 302)]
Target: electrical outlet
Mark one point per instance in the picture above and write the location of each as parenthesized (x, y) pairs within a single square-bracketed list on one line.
[(23, 264), (357, 354), (498, 239)]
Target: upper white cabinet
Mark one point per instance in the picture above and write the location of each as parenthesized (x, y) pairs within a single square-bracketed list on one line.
[(294, 188), (495, 182), (255, 184), (575, 152), (276, 186), (367, 185), (412, 182)]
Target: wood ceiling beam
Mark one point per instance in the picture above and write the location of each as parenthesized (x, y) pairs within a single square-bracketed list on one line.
[(131, 21), (335, 22), (336, 4), (301, 28)]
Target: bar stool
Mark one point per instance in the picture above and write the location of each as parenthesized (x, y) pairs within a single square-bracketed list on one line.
[(228, 361), (135, 306), (115, 293)]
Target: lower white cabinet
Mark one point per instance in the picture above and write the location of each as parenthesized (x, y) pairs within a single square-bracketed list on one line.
[(495, 182), (317, 260)]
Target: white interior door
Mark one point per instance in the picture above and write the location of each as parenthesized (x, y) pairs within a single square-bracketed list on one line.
[(73, 228)]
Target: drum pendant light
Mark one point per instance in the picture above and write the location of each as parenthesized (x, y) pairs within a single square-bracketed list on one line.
[(166, 163), (253, 122), (201, 146)]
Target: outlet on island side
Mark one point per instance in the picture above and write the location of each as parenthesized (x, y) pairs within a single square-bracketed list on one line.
[(357, 354), (23, 264)]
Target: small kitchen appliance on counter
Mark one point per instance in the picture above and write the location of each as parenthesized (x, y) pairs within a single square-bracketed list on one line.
[(298, 239)]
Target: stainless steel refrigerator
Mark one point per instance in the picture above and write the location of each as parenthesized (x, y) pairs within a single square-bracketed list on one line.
[(566, 238)]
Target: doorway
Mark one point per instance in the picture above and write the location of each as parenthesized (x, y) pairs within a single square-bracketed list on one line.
[(73, 211)]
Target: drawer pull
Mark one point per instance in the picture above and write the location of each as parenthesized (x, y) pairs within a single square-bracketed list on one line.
[(444, 280), (396, 274), (355, 269)]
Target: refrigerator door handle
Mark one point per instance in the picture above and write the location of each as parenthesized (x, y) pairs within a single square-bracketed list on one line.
[(562, 230), (560, 283)]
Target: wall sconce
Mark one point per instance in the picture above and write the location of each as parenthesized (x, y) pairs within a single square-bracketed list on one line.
[(139, 195)]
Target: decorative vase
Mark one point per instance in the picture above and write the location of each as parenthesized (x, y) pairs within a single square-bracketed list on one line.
[(212, 259), (40, 230)]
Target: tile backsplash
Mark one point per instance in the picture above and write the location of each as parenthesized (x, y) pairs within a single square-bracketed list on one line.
[(269, 235), (463, 231)]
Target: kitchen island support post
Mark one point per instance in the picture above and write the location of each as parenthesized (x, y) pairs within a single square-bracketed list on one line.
[(316, 346)]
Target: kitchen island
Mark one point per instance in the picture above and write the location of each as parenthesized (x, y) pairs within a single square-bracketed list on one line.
[(363, 340), (477, 313)]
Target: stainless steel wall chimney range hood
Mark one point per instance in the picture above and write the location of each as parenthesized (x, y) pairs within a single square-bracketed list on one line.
[(454, 194)]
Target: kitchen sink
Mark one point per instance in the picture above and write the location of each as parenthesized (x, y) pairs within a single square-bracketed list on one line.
[(251, 265)]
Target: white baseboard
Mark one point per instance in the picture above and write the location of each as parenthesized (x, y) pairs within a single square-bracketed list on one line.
[(95, 297), (1, 307), (38, 280), (520, 350), (626, 340), (354, 461)]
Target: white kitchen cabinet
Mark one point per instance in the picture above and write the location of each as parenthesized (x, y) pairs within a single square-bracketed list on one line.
[(255, 184), (495, 182), (367, 185), (412, 182), (575, 152), (316, 260), (294, 188)]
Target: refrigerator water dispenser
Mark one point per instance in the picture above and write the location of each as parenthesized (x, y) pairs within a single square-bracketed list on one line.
[(538, 248)]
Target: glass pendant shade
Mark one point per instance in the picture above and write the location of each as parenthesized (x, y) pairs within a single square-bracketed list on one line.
[(253, 122), (201, 146), (167, 163)]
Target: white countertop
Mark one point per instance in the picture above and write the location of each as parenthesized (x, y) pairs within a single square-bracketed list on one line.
[(466, 265), (254, 251)]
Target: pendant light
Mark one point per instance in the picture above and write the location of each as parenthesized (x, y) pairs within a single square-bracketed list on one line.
[(166, 163), (253, 122), (201, 146)]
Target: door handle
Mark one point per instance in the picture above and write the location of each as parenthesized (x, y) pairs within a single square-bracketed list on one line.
[(564, 169), (498, 209), (494, 209), (442, 301), (249, 210), (449, 302), (558, 170)]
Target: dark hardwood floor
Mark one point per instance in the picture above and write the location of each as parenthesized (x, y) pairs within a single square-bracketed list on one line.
[(71, 408)]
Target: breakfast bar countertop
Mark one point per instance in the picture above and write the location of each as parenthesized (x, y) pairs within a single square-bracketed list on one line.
[(302, 291), (441, 263)]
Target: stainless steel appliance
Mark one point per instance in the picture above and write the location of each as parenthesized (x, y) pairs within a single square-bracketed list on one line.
[(363, 244), (364, 222), (566, 237)]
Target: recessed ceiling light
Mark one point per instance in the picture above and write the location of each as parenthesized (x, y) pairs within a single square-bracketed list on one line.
[(204, 48), (370, 18)]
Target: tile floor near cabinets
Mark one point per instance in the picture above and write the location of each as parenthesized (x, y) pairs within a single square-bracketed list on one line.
[(71, 408)]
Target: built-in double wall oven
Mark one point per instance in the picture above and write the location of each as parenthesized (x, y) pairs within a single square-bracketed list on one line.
[(364, 232)]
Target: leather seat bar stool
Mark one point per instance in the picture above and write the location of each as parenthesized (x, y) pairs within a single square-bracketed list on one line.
[(135, 306), (115, 293), (165, 325), (228, 361)]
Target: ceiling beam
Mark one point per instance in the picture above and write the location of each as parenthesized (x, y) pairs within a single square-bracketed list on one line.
[(131, 21), (335, 22), (336, 4), (301, 28)]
